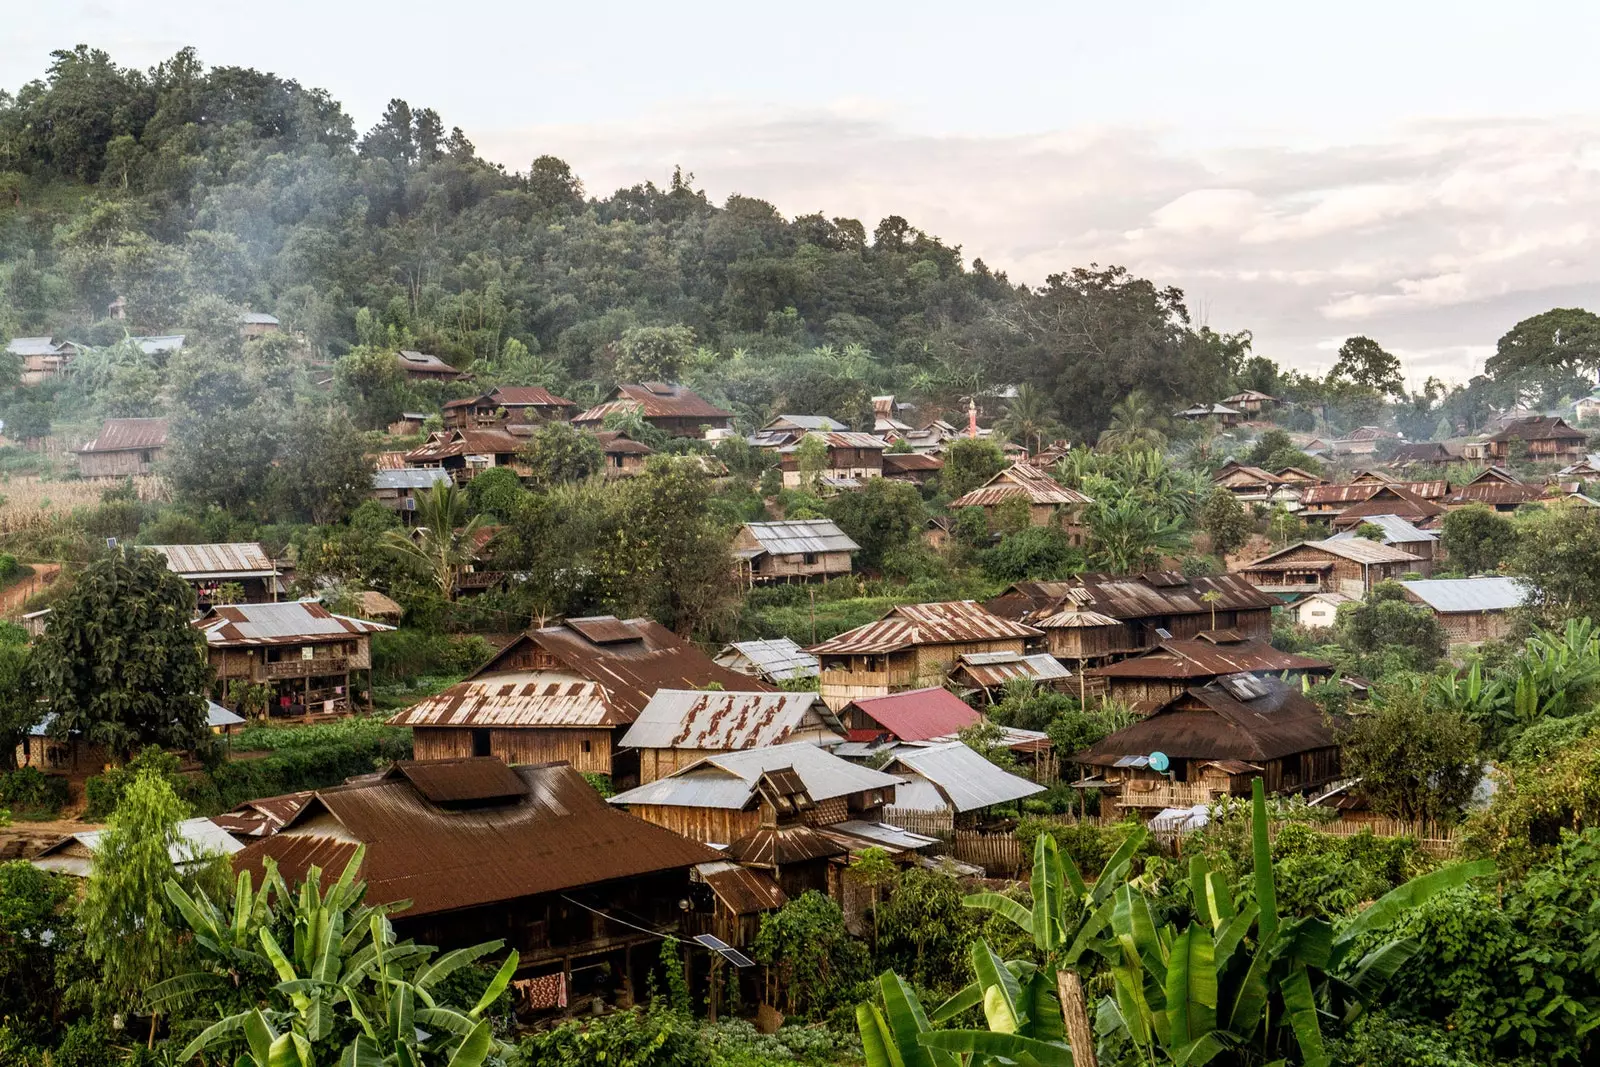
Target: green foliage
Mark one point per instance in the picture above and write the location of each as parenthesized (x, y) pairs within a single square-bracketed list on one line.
[(1386, 627), (119, 662), (29, 789), (1417, 761), (1035, 552), (882, 516), (36, 916), (813, 964), (968, 463), (1477, 539), (1363, 362), (1558, 552), (1225, 519), (677, 993), (559, 452), (1329, 876), (104, 792), (1549, 355)]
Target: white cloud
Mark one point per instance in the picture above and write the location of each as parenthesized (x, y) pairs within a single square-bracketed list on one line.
[(1434, 239)]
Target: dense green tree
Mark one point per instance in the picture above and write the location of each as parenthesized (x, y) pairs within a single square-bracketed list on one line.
[(1135, 425), (1550, 355), (19, 705), (1028, 419), (667, 556), (559, 452), (1363, 362), (1477, 539), (36, 928), (496, 493), (119, 663), (1416, 761), (968, 463), (882, 517), (653, 353), (1225, 520), (1558, 552), (322, 470), (1385, 623)]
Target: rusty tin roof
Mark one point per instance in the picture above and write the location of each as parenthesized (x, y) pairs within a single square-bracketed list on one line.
[(948, 623), (289, 622), (126, 435), (721, 720)]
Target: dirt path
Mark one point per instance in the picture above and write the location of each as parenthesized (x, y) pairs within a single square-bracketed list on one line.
[(12, 599)]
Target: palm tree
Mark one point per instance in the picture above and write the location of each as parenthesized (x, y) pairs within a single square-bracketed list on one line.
[(1028, 420), (1134, 425), (444, 541)]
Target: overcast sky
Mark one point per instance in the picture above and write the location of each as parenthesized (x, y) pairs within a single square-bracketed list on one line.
[(1426, 174)]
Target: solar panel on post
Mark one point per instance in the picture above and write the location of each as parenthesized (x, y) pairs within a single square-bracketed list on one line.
[(723, 949)]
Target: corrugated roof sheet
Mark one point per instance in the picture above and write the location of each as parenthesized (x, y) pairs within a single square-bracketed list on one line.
[(258, 318), (125, 435), (526, 396), (776, 660), (198, 839), (776, 846), (803, 422), (1201, 659), (446, 443), (1021, 480), (423, 363), (287, 622), (743, 891), (558, 835), (949, 622), (164, 344), (719, 720), (896, 462), (654, 400), (990, 669), (841, 439), (516, 698), (1106, 599), (728, 779), (919, 714), (1540, 428), (237, 559), (31, 346), (1355, 549), (1326, 496), (965, 781), (1447, 595), (858, 833), (1396, 531), (798, 536), (410, 478), (1279, 723)]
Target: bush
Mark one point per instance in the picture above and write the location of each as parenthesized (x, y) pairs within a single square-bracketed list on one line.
[(1089, 844), (627, 1039), (402, 654), (9, 567), (104, 791), (29, 789)]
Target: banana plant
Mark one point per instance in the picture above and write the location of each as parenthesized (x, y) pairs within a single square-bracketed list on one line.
[(229, 939), (1068, 914), (343, 965), (1243, 978)]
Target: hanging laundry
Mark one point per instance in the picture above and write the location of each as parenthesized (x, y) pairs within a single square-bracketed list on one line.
[(543, 993)]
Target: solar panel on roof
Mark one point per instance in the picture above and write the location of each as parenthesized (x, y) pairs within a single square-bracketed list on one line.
[(603, 629), (723, 949), (1245, 687), (1163, 633)]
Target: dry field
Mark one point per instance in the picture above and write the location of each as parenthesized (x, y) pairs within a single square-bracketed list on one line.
[(28, 501)]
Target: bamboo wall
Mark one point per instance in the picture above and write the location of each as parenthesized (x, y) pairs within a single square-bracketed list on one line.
[(720, 826), (528, 745)]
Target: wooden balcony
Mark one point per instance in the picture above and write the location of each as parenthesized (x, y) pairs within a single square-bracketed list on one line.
[(1144, 793), (308, 668)]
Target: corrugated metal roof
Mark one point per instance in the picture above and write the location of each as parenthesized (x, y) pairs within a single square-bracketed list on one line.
[(719, 720), (883, 835), (410, 478), (1355, 549), (1201, 659), (1540, 428), (217, 715), (911, 461), (163, 344), (423, 362), (1021, 480), (125, 435), (288, 622), (451, 781), (919, 714), (804, 422), (989, 669), (654, 400), (776, 846), (1395, 531), (728, 779), (31, 346), (1106, 599), (1279, 723), (258, 318), (239, 559), (840, 439), (528, 396), (949, 622), (963, 779), (558, 835), (516, 698), (1446, 595), (797, 536), (1357, 492), (443, 444), (198, 840), (776, 660), (743, 891), (264, 816)]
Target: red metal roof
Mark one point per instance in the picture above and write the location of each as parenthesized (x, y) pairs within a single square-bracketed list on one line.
[(464, 442), (919, 715), (557, 835), (529, 396)]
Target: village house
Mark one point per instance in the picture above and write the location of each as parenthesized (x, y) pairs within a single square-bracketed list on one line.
[(196, 843), (1425, 454), (1092, 619), (851, 458), (932, 437), (1222, 413), (42, 358), (789, 429), (792, 550), (624, 457), (1217, 738), (408, 424), (1252, 485), (74, 753), (1328, 502), (1351, 567), (932, 715), (670, 408), (774, 660), (398, 489), (1398, 533), (1363, 441), (211, 569), (1495, 488), (482, 851), (680, 726), (123, 447), (1297, 476), (1395, 500), (1547, 439), (465, 454), (262, 817), (1587, 409), (1320, 611), (910, 647), (528, 404), (913, 467), (421, 367), (1146, 682), (1049, 502), (887, 415), (564, 692), (952, 782), (1471, 610), (303, 654), (1252, 402), (258, 324), (718, 799), (983, 676)]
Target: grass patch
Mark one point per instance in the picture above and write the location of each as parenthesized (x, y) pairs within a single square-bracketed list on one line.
[(275, 737)]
